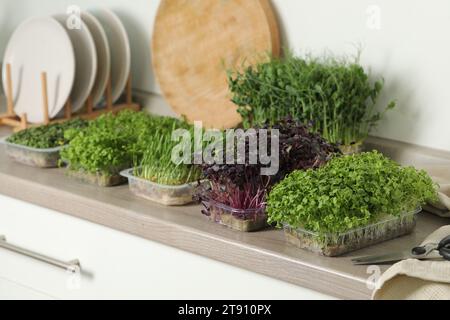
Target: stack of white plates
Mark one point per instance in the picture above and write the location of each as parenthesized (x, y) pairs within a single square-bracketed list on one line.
[(78, 62)]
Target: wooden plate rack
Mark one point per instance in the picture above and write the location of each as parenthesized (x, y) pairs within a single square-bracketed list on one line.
[(20, 122)]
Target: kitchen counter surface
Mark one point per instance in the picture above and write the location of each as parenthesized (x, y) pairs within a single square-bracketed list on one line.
[(185, 228)]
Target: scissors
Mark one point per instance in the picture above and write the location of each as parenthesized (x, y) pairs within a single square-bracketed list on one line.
[(425, 252)]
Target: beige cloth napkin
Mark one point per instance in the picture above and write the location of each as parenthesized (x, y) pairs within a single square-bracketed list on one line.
[(443, 207), (417, 280), (441, 175)]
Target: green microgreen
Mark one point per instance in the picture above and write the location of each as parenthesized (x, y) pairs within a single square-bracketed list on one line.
[(47, 136), (349, 192), (334, 94)]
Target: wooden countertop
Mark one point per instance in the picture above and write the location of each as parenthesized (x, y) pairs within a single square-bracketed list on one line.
[(185, 228)]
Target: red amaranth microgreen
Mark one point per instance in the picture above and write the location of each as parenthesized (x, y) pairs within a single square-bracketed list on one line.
[(241, 186)]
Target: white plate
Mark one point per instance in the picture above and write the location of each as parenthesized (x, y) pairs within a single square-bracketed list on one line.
[(120, 50), (103, 55), (37, 45), (86, 62)]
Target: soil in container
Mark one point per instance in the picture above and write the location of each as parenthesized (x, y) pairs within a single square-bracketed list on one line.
[(241, 220), (339, 244), (163, 194), (45, 158), (99, 179), (352, 148), (40, 158)]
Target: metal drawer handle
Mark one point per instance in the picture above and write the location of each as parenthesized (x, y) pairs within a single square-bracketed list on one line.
[(71, 266)]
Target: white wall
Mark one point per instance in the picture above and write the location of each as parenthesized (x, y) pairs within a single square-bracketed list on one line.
[(411, 49)]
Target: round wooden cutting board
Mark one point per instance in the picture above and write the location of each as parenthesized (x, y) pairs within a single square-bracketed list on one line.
[(196, 41)]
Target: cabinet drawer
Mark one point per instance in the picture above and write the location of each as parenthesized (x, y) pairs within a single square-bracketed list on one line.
[(117, 265), (13, 291)]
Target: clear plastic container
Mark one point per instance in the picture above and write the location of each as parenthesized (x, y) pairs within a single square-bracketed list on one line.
[(333, 245), (248, 220), (352, 149), (163, 194), (40, 158), (99, 179)]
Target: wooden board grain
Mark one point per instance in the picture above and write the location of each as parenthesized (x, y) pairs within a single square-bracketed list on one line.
[(196, 41)]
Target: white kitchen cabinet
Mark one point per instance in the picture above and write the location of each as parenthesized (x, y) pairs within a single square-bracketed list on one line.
[(116, 265), (13, 291)]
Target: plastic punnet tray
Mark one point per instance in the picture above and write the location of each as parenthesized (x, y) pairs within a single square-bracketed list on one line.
[(247, 220), (163, 194), (99, 179), (338, 244), (40, 158)]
